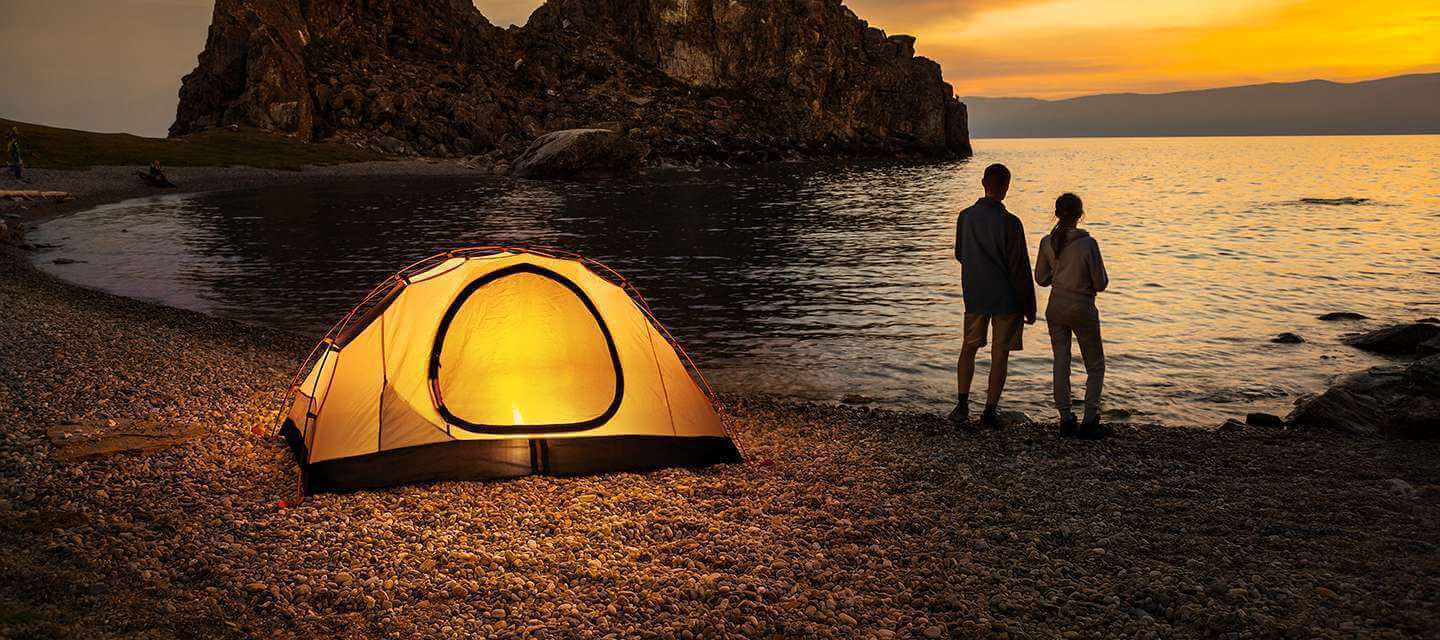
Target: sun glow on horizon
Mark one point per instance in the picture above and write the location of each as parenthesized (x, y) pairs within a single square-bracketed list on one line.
[(1063, 48)]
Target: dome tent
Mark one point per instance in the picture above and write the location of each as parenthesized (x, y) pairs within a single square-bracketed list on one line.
[(492, 363)]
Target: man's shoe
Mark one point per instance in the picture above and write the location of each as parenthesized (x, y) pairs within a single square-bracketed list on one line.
[(1069, 428), (1091, 429), (959, 416)]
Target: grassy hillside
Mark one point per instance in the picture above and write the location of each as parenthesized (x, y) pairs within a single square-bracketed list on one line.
[(56, 148)]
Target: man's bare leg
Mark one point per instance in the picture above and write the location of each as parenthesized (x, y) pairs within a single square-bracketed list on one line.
[(999, 371), (964, 374)]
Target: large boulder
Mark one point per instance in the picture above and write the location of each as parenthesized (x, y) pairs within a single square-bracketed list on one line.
[(1394, 401), (580, 153), (1405, 339)]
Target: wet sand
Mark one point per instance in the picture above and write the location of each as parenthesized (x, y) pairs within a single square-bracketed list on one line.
[(844, 522)]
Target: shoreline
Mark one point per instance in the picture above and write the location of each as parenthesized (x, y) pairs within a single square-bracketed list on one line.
[(845, 522), (101, 185)]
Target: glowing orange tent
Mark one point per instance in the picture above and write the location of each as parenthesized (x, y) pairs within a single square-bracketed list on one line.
[(492, 363)]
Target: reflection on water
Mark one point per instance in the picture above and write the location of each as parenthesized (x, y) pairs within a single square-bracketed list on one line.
[(820, 282)]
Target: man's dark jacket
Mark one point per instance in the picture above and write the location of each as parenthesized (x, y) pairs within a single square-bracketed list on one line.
[(994, 261)]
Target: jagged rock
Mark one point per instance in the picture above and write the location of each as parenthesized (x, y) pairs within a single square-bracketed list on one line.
[(251, 72), (1343, 315), (1402, 339), (1392, 401), (580, 153), (712, 80)]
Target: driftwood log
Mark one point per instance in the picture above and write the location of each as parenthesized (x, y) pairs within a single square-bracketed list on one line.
[(35, 195)]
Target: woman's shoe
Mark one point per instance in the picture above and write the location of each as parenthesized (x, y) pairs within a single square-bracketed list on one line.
[(1068, 427), (1091, 429)]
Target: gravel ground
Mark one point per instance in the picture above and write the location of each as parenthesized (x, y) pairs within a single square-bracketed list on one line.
[(844, 523), (99, 185)]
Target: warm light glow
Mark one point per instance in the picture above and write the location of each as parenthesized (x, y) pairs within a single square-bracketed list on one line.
[(524, 349), (1061, 48)]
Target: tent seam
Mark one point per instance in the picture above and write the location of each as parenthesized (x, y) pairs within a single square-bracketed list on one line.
[(664, 388)]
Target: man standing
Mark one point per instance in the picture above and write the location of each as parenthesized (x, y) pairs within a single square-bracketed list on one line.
[(12, 152), (995, 277)]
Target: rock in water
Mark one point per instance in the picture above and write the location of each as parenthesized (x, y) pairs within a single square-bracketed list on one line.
[(1343, 315), (712, 80), (1402, 339), (1288, 338), (580, 153), (1393, 401)]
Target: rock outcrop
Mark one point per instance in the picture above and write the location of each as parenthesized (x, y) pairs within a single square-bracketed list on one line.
[(1405, 339), (695, 80), (1400, 401)]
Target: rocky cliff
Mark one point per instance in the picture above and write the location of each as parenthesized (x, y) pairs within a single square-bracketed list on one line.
[(696, 80)]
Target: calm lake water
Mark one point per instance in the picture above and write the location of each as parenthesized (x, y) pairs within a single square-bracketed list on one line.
[(822, 281)]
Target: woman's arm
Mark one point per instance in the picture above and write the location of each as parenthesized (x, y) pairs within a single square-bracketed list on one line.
[(1098, 276), (1044, 268)]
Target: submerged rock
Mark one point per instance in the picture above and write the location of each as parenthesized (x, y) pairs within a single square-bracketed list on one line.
[(1402, 339), (1343, 315), (1394, 401), (1288, 338), (580, 153)]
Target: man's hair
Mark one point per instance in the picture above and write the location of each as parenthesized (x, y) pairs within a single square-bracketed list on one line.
[(996, 175)]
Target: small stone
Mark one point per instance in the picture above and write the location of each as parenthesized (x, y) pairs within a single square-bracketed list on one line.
[(1232, 425), (1339, 316), (1400, 488), (933, 632), (1288, 338)]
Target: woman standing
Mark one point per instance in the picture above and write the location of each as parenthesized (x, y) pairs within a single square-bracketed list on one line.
[(1070, 264)]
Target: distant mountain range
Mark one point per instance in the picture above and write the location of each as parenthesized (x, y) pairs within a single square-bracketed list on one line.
[(1402, 104)]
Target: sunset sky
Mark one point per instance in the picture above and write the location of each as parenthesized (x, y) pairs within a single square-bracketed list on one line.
[(115, 65)]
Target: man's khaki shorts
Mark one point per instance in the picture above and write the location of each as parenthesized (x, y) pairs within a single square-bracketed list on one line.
[(1009, 329)]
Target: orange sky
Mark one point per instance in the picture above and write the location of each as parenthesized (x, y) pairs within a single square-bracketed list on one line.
[(1060, 48)]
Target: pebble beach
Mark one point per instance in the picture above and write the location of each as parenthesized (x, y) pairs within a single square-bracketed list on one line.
[(843, 523)]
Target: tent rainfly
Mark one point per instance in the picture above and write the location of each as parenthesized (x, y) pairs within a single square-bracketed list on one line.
[(495, 363)]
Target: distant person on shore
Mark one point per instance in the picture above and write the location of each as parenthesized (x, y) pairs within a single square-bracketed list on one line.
[(1069, 263), (998, 291), (12, 153), (154, 176)]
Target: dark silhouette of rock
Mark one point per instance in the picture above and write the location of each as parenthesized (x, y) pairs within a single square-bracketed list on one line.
[(699, 81), (1265, 420), (1395, 401), (1232, 426), (1405, 339), (1343, 315), (1288, 338), (580, 153)]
